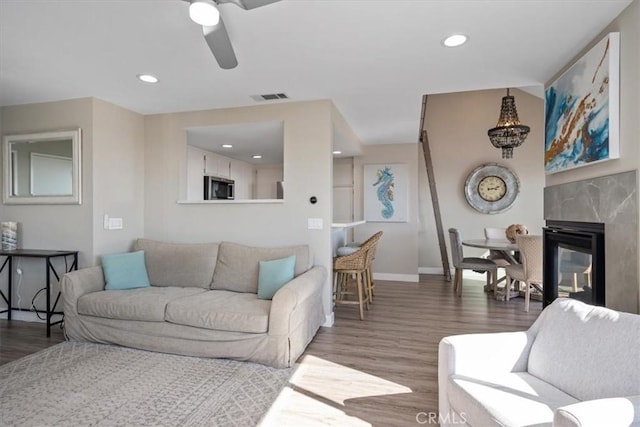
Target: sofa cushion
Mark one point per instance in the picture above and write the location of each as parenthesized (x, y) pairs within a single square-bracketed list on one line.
[(237, 266), (587, 351), (179, 264), (221, 310), (505, 399), (272, 275), (146, 304), (124, 271)]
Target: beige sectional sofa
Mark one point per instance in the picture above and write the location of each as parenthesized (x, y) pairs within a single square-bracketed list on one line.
[(202, 302)]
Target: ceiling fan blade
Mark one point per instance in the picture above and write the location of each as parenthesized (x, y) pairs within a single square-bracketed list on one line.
[(218, 40), (248, 4)]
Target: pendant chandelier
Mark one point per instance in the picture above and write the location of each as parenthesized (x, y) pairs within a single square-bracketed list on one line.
[(508, 133)]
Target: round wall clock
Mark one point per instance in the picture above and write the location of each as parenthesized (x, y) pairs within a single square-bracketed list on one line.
[(491, 188)]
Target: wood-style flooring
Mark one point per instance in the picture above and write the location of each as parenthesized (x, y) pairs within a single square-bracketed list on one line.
[(381, 371)]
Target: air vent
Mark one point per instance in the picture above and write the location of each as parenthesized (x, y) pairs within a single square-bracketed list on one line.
[(269, 97)]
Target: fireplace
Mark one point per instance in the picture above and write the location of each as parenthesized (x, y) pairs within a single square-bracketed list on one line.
[(574, 261)]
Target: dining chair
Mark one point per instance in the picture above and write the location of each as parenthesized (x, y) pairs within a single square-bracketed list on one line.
[(497, 257), (469, 263), (530, 271)]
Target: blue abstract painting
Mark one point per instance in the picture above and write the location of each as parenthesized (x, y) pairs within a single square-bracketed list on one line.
[(581, 110), (385, 193)]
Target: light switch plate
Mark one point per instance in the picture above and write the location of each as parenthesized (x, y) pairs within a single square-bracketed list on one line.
[(116, 224), (314, 223)]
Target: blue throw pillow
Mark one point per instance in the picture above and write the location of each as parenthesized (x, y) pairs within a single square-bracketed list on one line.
[(275, 274), (125, 271)]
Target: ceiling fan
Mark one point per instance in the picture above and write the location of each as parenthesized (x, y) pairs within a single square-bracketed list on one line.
[(205, 13)]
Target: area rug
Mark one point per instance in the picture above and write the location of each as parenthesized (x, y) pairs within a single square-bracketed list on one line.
[(73, 384)]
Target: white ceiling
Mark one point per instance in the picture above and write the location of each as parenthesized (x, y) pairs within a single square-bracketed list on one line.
[(375, 59)]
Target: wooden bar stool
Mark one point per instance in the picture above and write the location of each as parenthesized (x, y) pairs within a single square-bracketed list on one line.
[(349, 271), (356, 266)]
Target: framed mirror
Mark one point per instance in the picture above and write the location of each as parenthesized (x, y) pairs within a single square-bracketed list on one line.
[(42, 168)]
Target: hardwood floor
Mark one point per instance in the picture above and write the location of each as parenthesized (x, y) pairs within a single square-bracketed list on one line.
[(381, 371), (17, 338)]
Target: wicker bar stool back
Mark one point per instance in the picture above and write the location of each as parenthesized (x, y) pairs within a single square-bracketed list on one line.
[(354, 270), (372, 242)]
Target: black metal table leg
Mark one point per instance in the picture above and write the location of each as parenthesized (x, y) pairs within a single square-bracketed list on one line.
[(48, 314), (10, 286)]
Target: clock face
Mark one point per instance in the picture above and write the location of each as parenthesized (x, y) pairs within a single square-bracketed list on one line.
[(492, 188)]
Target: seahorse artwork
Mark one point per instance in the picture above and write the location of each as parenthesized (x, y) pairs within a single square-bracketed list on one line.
[(386, 182)]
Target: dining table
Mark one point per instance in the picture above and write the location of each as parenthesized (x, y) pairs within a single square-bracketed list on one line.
[(504, 247)]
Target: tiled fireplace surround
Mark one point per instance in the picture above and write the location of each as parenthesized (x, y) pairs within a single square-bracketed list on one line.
[(612, 200)]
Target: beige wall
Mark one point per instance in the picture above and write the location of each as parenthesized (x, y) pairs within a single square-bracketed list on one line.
[(457, 125), (307, 172), (52, 226), (628, 24), (112, 182), (118, 176), (397, 254)]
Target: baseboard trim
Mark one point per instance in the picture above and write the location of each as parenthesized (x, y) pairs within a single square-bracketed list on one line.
[(431, 270), (24, 316), (329, 319), (397, 277)]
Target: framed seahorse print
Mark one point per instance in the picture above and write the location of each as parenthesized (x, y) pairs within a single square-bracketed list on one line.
[(386, 190)]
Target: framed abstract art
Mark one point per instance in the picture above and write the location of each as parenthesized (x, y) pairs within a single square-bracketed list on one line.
[(582, 110)]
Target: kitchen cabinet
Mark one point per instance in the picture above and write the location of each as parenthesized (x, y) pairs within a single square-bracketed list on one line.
[(217, 165), (243, 176)]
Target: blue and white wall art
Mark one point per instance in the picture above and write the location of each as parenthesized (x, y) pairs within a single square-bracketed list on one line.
[(386, 192), (582, 110)]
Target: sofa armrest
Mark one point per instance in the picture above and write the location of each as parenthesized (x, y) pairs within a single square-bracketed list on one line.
[(611, 412), (306, 286), (77, 283), (480, 353)]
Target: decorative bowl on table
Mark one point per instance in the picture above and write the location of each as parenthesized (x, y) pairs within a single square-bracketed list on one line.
[(513, 230)]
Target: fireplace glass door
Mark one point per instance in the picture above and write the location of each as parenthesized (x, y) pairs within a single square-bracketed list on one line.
[(574, 275)]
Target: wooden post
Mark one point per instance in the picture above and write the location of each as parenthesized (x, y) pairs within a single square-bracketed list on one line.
[(434, 193)]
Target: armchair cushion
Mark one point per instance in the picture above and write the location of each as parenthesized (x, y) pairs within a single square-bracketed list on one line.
[(587, 350), (508, 399), (612, 412)]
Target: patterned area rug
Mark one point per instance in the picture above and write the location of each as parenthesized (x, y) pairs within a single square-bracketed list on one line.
[(73, 384)]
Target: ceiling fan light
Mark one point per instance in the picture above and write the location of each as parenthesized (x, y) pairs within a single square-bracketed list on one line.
[(204, 12)]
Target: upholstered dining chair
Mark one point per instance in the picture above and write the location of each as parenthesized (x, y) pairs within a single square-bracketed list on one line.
[(530, 271), (496, 234), (470, 263)]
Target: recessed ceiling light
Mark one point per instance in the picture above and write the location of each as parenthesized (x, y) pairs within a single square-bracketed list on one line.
[(455, 40), (257, 156), (147, 78), (337, 152), (227, 146)]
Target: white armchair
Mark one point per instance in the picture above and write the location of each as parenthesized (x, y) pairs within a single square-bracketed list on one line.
[(578, 365)]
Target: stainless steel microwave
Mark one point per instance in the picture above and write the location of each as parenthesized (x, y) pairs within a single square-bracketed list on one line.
[(216, 188)]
